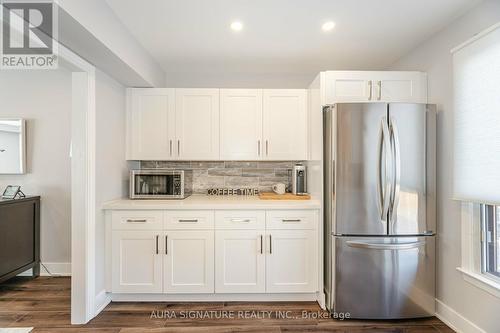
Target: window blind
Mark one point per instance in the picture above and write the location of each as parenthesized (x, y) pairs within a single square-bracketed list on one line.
[(476, 67)]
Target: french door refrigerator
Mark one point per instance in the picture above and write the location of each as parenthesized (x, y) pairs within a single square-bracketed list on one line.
[(379, 185)]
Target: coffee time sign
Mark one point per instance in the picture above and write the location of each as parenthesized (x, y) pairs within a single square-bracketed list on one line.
[(28, 32)]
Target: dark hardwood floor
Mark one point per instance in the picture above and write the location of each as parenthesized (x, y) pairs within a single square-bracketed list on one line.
[(44, 304)]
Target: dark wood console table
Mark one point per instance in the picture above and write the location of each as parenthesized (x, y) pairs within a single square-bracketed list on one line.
[(19, 236)]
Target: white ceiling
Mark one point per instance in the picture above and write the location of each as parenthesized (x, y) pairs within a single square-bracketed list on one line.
[(282, 36)]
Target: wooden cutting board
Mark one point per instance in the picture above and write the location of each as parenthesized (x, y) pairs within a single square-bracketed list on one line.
[(286, 196)]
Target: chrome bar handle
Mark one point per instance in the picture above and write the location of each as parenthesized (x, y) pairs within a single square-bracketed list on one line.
[(267, 147), (261, 244), (178, 147), (379, 84), (382, 246), (170, 147), (157, 236), (188, 221), (380, 192), (329, 167), (290, 220), (370, 90), (383, 186), (396, 186), (136, 220), (166, 244), (241, 220), (270, 244), (258, 147)]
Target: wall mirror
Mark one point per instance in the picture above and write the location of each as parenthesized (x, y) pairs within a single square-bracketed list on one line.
[(12, 146)]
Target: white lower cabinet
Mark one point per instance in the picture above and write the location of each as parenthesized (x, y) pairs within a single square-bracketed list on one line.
[(240, 265), (292, 261), (241, 252), (188, 264), (136, 262)]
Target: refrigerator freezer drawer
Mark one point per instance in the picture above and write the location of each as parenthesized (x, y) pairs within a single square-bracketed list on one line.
[(385, 277)]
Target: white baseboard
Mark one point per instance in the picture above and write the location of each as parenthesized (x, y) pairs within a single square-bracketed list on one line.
[(213, 297), (55, 268), (102, 300), (455, 320)]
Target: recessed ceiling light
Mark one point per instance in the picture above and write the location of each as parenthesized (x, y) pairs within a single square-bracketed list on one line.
[(328, 26), (236, 26)]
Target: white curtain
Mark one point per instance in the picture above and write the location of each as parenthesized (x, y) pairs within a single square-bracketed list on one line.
[(477, 119)]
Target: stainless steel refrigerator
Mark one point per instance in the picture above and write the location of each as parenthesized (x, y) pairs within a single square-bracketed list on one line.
[(379, 185)]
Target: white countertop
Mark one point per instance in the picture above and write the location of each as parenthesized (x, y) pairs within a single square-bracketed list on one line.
[(212, 202)]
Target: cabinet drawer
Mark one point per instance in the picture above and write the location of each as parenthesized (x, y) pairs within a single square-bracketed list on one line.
[(291, 219), (193, 219), (240, 219), (137, 220)]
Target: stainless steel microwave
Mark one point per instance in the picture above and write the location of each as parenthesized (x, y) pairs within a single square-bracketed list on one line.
[(160, 184)]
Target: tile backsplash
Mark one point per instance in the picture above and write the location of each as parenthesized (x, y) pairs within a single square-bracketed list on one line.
[(231, 174)]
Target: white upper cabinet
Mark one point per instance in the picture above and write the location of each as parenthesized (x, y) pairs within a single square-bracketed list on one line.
[(173, 124), (150, 124), (197, 124), (249, 124), (403, 87), (348, 87), (241, 124), (268, 124), (285, 124), (217, 124), (369, 86)]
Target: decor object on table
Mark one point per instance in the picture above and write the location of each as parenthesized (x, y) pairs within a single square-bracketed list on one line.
[(13, 192), (279, 188)]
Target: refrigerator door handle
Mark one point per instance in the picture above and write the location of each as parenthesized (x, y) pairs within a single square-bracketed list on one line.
[(396, 187), (383, 186), (382, 246)]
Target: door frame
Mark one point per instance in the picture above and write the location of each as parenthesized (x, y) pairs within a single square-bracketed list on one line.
[(83, 187)]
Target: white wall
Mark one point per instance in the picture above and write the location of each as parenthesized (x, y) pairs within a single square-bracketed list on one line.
[(434, 57), (43, 98), (111, 167), (239, 80), (102, 23)]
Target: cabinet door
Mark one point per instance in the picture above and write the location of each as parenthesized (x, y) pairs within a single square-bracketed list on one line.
[(197, 124), (239, 261), (292, 261), (348, 87), (150, 124), (285, 124), (189, 262), (403, 87), (241, 124), (136, 262)]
